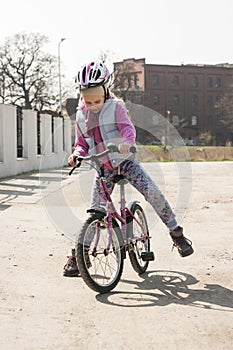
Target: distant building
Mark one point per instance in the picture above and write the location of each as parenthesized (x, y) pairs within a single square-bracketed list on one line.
[(186, 94)]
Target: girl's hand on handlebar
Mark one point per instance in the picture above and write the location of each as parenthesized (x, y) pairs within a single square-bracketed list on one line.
[(72, 160), (124, 148)]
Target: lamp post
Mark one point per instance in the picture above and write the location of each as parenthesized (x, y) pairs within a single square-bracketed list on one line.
[(167, 127), (59, 74)]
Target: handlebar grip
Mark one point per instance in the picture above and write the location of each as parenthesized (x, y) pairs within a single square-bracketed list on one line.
[(133, 149), (114, 148)]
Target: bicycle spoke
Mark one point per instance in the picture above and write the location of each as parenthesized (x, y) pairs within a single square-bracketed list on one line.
[(105, 268), (138, 238)]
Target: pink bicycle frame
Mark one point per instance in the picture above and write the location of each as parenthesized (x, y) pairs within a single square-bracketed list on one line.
[(112, 212)]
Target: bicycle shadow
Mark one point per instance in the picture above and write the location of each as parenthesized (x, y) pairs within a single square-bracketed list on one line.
[(163, 287)]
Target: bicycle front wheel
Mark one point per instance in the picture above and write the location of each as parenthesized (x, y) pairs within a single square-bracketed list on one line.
[(100, 254), (136, 230)]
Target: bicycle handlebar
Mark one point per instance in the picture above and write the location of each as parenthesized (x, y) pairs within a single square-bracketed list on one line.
[(111, 148)]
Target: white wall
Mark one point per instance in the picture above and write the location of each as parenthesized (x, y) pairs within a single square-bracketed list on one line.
[(10, 165)]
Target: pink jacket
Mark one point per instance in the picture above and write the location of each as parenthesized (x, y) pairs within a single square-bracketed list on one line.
[(124, 125)]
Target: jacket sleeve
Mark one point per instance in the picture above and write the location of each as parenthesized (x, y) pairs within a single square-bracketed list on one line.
[(81, 145), (125, 125)]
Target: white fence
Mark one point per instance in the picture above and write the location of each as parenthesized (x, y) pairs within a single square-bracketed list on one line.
[(54, 141)]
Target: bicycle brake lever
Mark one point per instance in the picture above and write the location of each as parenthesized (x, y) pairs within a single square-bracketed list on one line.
[(75, 167)]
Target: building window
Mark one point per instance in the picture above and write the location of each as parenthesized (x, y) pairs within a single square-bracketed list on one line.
[(209, 82), (156, 80), (175, 100), (175, 120), (210, 120), (138, 99), (194, 82), (210, 101), (193, 120), (217, 99), (194, 100), (219, 120), (175, 80), (136, 80), (218, 82), (156, 100)]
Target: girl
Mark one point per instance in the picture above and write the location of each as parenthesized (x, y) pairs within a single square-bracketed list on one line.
[(101, 119)]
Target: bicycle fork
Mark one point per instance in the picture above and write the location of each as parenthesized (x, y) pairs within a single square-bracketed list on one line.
[(95, 237)]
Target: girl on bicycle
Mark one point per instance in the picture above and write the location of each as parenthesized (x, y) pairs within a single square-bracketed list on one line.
[(101, 119)]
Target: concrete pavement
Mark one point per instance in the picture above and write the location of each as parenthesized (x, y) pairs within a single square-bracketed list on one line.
[(178, 304)]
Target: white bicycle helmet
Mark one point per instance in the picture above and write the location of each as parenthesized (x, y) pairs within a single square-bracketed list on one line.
[(91, 75)]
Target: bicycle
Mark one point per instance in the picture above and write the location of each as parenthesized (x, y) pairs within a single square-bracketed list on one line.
[(107, 235)]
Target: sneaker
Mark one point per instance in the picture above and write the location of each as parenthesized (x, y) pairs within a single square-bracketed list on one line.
[(183, 244), (71, 269)]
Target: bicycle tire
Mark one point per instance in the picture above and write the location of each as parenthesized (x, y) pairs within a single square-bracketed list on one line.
[(134, 231), (100, 271)]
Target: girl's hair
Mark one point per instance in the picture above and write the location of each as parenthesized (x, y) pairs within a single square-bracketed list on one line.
[(108, 94)]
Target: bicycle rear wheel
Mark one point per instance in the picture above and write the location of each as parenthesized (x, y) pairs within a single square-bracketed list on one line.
[(100, 268), (135, 232)]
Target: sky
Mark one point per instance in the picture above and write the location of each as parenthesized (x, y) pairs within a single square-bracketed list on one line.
[(161, 31)]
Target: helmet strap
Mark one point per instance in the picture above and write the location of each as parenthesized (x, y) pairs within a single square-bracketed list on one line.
[(105, 93)]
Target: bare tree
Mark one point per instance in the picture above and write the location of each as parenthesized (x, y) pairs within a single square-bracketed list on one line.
[(225, 106), (122, 81), (126, 81), (107, 56), (28, 75), (205, 138)]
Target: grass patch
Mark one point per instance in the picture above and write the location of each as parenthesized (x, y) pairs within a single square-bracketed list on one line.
[(149, 153)]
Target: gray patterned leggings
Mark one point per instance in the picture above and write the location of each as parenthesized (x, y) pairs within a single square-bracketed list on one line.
[(139, 179)]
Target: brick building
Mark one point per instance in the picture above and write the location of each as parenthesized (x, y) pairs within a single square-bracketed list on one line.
[(186, 94)]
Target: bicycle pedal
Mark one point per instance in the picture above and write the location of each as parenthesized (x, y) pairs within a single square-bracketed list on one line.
[(147, 256)]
